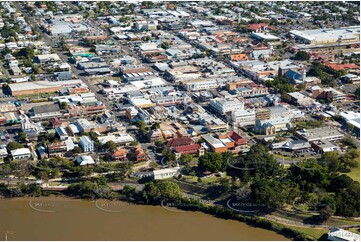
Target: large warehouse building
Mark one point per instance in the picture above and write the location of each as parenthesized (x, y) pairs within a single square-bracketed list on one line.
[(38, 87), (328, 36)]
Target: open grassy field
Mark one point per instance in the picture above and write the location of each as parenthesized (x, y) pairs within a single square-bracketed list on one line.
[(316, 233)]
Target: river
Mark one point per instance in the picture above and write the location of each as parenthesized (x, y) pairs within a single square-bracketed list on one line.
[(60, 218)]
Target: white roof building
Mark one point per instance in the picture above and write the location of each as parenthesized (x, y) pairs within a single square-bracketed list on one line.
[(22, 153), (166, 173), (337, 234), (84, 160)]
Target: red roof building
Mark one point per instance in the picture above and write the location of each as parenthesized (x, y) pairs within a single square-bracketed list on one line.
[(182, 141), (260, 27), (239, 140), (55, 122), (340, 67), (188, 149)]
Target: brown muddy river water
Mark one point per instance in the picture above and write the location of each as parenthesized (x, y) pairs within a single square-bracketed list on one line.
[(58, 218)]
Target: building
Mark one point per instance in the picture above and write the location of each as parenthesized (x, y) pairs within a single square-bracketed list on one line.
[(119, 154), (61, 132), (45, 111), (179, 142), (223, 106), (216, 145), (139, 154), (57, 149), (327, 36), (272, 125), (324, 133), (154, 135), (192, 149), (323, 146), (242, 118), (292, 145), (86, 144), (39, 87), (84, 160), (351, 118), (21, 154), (166, 173), (337, 234), (201, 85)]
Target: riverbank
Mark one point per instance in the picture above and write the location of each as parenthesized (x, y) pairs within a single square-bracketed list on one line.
[(62, 218), (197, 206), (187, 204)]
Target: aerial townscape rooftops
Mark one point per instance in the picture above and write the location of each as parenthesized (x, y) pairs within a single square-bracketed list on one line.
[(245, 109)]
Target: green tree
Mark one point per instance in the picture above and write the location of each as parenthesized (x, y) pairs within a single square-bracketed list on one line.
[(212, 162), (302, 55), (110, 145), (165, 45), (271, 193), (159, 190), (13, 145), (22, 136), (185, 159), (77, 150), (330, 159), (64, 105)]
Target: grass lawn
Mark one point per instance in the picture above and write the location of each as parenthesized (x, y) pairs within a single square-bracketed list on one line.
[(315, 233), (355, 172)]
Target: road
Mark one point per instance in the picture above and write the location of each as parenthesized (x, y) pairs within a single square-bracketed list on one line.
[(51, 43)]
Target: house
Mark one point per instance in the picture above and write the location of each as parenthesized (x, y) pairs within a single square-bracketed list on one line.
[(84, 160), (139, 154), (21, 154), (154, 135), (166, 173), (86, 144), (337, 234), (119, 154), (3, 152), (42, 153), (259, 27), (61, 132)]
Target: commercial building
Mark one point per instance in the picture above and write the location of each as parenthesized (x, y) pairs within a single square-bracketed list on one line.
[(201, 85), (222, 105), (351, 118), (243, 118), (324, 133), (328, 36), (39, 87), (216, 145), (86, 144)]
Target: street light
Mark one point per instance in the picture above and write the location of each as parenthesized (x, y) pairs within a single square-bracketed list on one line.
[(6, 234)]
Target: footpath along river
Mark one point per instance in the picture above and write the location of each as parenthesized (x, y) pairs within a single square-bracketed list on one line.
[(60, 218)]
